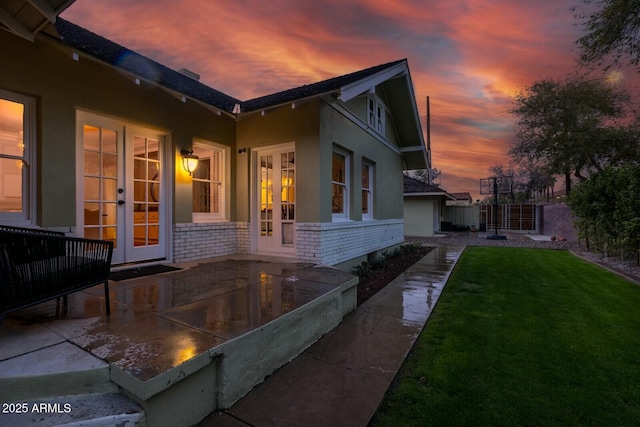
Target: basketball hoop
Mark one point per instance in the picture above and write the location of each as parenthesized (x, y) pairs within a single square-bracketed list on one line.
[(496, 185)]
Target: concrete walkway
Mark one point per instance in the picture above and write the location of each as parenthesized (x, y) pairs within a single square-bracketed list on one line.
[(342, 378)]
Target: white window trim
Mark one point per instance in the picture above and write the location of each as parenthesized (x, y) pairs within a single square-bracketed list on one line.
[(27, 216), (344, 216), (201, 217), (371, 189), (376, 119)]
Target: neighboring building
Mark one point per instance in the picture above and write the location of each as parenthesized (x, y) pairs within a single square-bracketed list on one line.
[(424, 207), (92, 138), (460, 199)]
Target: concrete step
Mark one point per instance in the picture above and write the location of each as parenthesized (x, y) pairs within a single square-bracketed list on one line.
[(59, 370), (95, 410)]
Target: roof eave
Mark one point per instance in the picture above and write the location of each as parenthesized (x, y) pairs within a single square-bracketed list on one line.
[(352, 90)]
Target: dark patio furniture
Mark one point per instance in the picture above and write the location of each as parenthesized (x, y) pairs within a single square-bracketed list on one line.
[(39, 265)]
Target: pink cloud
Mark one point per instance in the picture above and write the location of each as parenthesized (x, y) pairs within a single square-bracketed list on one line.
[(470, 57)]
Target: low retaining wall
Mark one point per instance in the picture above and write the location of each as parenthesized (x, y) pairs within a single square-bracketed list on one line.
[(216, 379)]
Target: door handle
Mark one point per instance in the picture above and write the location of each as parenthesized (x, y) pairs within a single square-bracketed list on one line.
[(121, 202)]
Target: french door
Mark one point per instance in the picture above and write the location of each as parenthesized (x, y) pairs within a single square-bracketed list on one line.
[(276, 200), (121, 190)]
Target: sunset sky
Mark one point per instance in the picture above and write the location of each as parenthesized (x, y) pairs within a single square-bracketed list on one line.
[(470, 57)]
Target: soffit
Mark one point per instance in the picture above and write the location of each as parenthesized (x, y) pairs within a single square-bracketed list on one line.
[(25, 18)]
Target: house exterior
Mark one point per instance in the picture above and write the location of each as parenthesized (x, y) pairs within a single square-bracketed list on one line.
[(460, 199), (93, 138), (424, 207)]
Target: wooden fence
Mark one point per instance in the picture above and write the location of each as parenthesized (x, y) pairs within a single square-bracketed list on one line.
[(510, 217)]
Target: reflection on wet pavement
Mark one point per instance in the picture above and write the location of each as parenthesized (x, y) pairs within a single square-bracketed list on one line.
[(342, 378), (158, 322)]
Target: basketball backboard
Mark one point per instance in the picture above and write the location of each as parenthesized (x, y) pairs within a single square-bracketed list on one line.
[(502, 184)]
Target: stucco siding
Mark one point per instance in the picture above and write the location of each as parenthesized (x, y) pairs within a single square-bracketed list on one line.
[(419, 216), (338, 130), (64, 86)]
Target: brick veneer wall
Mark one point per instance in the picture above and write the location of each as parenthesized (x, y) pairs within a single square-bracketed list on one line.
[(203, 240), (335, 242), (557, 220)]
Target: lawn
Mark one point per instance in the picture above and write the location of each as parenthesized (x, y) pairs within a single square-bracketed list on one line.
[(524, 337)]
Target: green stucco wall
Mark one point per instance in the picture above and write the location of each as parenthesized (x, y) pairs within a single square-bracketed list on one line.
[(419, 216), (46, 71), (337, 130), (278, 126)]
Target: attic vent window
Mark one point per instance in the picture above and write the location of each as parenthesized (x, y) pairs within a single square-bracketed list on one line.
[(190, 74), (376, 113)]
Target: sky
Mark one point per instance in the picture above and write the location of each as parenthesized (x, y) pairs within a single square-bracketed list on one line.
[(470, 57)]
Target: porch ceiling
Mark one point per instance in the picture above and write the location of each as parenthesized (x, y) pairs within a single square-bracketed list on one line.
[(25, 18)]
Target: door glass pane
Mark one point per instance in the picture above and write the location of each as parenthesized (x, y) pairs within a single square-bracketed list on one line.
[(91, 233), (287, 233), (154, 170), (91, 214), (139, 191), (109, 189), (109, 214), (109, 233), (154, 192), (152, 149), (153, 235), (109, 141), (139, 146), (139, 171), (91, 188), (266, 195), (100, 183), (91, 139), (91, 163), (109, 165), (139, 235)]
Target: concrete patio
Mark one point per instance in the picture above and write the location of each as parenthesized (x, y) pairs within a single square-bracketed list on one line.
[(176, 347), (342, 379)]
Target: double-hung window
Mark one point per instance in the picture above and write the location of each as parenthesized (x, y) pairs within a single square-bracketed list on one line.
[(17, 133), (367, 190), (340, 185), (376, 114), (208, 184)]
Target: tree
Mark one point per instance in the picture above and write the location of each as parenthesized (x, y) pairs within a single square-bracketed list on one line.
[(607, 209), (423, 175), (613, 30), (563, 124), (530, 181)]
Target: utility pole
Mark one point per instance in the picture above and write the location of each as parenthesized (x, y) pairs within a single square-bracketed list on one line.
[(429, 166)]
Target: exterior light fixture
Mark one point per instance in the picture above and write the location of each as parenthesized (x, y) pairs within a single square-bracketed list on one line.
[(189, 160)]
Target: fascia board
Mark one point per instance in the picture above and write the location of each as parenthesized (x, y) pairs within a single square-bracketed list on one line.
[(350, 91)]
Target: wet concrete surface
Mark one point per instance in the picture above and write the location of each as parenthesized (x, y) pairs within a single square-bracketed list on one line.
[(158, 322), (342, 378)]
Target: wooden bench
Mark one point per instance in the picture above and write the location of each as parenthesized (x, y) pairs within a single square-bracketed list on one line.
[(39, 265)]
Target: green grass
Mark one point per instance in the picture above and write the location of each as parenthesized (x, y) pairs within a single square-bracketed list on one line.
[(524, 337)]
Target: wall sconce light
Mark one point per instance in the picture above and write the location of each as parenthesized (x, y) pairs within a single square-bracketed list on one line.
[(242, 150), (189, 160)]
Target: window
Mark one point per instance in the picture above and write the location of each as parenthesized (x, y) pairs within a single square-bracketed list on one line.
[(16, 157), (340, 185), (367, 190), (208, 185), (377, 112)]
